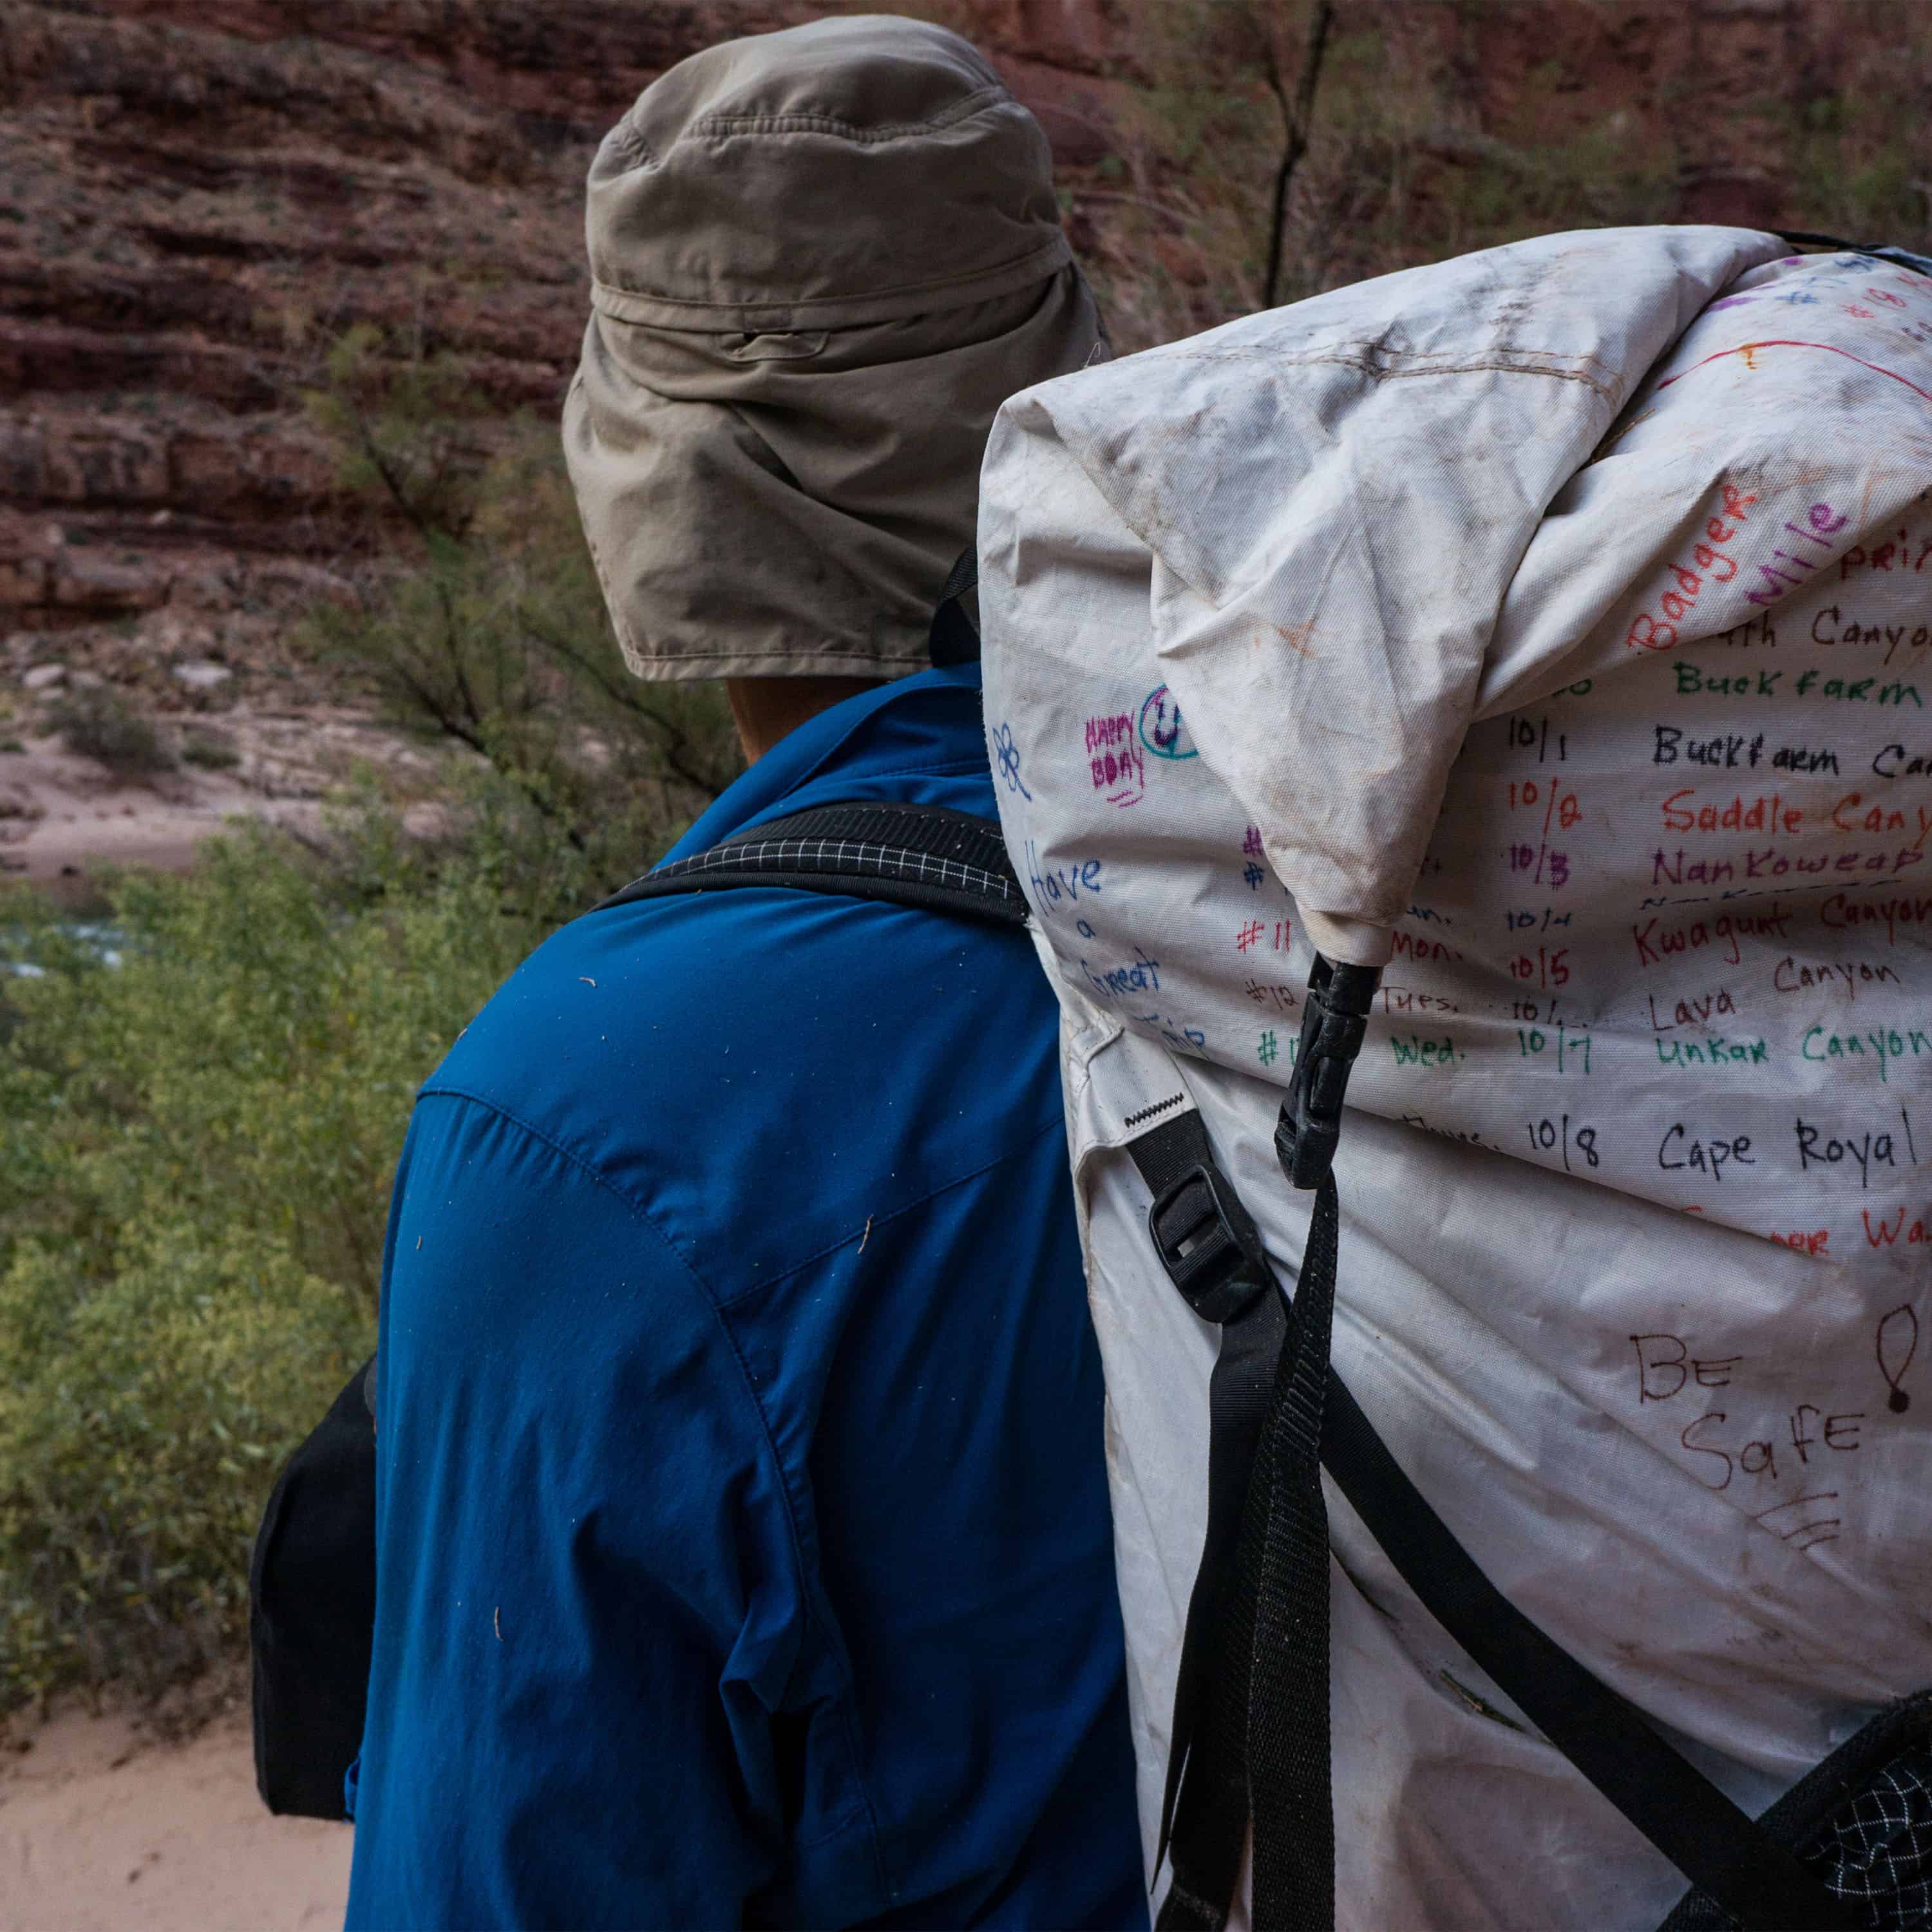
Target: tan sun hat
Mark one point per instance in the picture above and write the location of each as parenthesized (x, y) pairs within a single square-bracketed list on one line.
[(821, 259)]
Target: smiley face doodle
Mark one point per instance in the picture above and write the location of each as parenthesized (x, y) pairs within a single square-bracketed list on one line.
[(1161, 729)]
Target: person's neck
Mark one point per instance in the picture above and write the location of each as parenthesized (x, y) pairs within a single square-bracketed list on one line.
[(766, 710)]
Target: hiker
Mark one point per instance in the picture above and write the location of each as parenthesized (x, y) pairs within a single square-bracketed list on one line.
[(743, 1548)]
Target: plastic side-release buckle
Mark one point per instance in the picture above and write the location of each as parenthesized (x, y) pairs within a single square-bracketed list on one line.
[(1333, 1021), (1209, 1245)]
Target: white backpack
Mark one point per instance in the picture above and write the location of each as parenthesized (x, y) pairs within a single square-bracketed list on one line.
[(1550, 629)]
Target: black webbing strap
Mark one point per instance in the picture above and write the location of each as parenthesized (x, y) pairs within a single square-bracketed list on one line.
[(1285, 1544), (927, 855), (1901, 258), (951, 638), (1717, 1847), (1256, 1631), (1236, 1287)]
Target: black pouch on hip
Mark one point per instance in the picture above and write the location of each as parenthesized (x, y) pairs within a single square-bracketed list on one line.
[(312, 1609)]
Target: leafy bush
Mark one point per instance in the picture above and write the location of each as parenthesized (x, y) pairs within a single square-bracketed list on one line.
[(197, 1143), (211, 751), (196, 1147), (95, 723)]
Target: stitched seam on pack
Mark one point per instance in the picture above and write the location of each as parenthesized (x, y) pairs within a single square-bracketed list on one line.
[(837, 1648), (1134, 1120), (885, 1220)]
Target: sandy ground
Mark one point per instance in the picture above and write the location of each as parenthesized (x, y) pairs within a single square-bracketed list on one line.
[(64, 814), (58, 812), (104, 1830)]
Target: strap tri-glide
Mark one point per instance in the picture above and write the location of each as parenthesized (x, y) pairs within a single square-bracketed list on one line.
[(1251, 1737)]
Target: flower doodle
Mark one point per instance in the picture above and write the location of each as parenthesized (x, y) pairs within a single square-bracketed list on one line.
[(1008, 754)]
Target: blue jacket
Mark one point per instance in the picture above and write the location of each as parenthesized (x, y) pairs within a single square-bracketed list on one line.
[(743, 1549)]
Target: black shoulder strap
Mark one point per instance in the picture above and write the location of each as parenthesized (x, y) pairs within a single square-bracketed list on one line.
[(952, 639), (927, 855), (1251, 1705)]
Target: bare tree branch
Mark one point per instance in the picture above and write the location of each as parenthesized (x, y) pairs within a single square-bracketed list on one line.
[(674, 743), (1295, 121), (1178, 216)]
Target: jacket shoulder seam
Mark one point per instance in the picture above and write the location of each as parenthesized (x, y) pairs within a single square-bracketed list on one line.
[(863, 1809)]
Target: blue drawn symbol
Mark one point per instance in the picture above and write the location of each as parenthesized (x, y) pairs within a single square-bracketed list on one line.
[(1173, 1031), (1253, 874), (1162, 731), (1008, 753)]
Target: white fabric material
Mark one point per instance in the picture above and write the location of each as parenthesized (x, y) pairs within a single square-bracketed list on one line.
[(1589, 684)]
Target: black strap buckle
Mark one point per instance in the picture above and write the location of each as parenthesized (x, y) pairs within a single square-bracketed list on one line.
[(1209, 1244), (1332, 1024)]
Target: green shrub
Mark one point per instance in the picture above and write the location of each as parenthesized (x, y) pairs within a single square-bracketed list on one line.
[(197, 1143), (212, 753), (196, 1147), (96, 723)]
